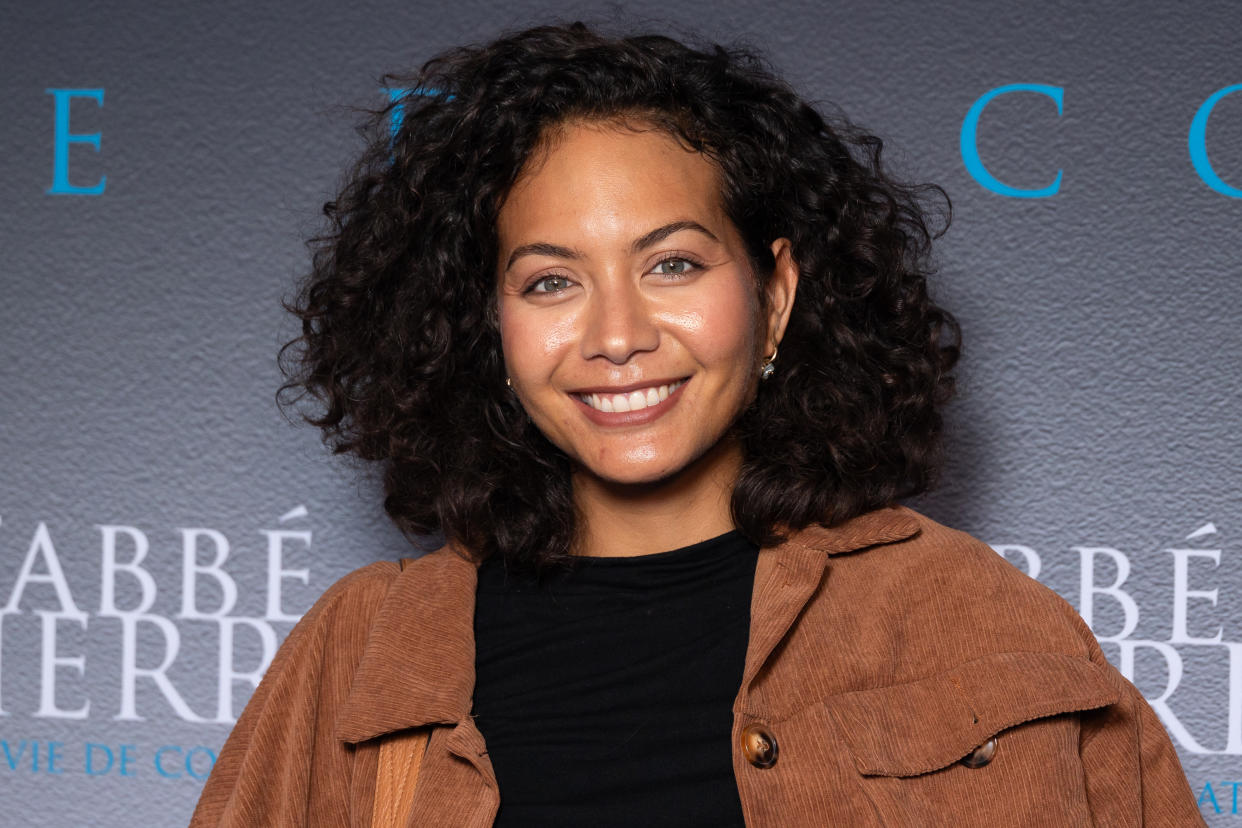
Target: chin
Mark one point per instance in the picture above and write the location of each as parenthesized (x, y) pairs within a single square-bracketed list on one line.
[(636, 473), (631, 477)]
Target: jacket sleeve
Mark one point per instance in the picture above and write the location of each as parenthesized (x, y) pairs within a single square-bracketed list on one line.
[(281, 764), (1131, 770)]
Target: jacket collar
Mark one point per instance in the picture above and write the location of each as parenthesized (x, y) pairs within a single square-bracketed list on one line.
[(417, 667), (874, 528)]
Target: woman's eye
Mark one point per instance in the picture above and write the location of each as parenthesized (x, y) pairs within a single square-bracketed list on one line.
[(549, 284), (675, 266)]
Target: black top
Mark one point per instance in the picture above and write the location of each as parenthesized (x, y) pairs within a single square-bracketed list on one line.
[(605, 694)]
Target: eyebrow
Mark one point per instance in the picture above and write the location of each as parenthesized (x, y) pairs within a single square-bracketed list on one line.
[(641, 243)]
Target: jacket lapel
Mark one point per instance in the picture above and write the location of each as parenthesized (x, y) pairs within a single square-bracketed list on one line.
[(789, 574), (418, 664)]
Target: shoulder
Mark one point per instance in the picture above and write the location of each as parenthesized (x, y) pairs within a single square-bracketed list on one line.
[(352, 599), (371, 579), (289, 713), (953, 551), (941, 585), (921, 645), (956, 623), (325, 643)]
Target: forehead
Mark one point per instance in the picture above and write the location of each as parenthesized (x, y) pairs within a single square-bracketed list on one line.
[(597, 176)]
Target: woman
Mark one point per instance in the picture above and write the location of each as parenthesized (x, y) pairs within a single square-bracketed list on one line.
[(649, 342)]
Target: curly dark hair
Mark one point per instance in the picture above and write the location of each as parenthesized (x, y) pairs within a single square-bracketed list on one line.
[(400, 342)]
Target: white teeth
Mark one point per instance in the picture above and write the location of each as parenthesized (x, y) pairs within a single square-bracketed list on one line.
[(631, 401)]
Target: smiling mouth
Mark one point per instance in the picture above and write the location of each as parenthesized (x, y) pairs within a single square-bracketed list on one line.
[(635, 400)]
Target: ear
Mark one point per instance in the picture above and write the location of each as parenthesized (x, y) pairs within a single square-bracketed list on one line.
[(780, 291)]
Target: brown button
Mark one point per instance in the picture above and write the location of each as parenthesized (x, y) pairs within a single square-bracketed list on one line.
[(981, 755), (759, 746)]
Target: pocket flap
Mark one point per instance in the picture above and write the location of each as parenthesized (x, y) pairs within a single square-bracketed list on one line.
[(922, 726)]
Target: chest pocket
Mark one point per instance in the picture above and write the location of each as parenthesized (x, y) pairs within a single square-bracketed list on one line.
[(988, 740)]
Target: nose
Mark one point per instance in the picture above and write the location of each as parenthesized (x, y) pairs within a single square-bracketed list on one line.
[(618, 323)]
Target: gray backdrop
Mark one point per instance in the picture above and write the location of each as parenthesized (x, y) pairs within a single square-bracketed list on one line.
[(1096, 441)]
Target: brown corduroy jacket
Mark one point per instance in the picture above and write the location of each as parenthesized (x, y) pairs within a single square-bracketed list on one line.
[(883, 652)]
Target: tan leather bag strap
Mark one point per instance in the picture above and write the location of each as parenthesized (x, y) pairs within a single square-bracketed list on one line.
[(400, 756)]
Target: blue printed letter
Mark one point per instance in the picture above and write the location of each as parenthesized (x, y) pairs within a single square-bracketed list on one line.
[(398, 112), (970, 147), (397, 97), (1198, 144), (159, 766), (63, 138), (1208, 795), (91, 747)]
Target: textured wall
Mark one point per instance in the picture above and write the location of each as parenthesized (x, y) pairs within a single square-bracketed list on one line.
[(1098, 425)]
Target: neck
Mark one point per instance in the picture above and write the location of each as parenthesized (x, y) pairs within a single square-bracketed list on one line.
[(622, 520)]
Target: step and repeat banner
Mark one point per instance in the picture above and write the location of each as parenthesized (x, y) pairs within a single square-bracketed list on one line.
[(162, 525)]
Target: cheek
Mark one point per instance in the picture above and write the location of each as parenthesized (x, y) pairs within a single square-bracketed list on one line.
[(534, 342), (721, 325)]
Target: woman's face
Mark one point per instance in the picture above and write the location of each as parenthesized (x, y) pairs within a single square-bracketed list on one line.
[(630, 323)]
